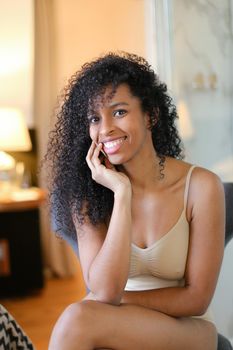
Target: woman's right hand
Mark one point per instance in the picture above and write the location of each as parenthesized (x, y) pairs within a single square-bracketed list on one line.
[(105, 174)]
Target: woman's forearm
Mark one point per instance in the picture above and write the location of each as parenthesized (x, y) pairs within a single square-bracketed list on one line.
[(109, 270), (173, 301)]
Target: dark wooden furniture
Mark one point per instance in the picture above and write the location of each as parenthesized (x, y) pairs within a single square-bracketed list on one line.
[(20, 244)]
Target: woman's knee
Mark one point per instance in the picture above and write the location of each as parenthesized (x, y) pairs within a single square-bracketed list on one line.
[(78, 315), (74, 325)]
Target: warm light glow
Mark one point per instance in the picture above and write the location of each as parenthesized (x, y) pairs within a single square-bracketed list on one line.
[(6, 161), (12, 60), (16, 37), (14, 135), (184, 123)]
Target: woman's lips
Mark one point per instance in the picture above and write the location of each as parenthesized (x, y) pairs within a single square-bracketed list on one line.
[(112, 147)]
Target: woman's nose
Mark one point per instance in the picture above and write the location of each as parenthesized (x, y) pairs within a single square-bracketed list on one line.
[(106, 127)]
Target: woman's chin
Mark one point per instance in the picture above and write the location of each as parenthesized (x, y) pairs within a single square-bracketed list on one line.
[(117, 160)]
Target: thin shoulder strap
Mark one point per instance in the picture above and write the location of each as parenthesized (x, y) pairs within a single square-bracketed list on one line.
[(186, 191)]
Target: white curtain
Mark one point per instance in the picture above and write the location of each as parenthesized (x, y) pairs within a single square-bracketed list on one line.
[(58, 256)]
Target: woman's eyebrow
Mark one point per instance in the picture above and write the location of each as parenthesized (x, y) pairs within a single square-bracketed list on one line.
[(116, 104), (110, 105)]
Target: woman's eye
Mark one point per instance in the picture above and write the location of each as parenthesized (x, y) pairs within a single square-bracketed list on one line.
[(119, 113), (93, 120)]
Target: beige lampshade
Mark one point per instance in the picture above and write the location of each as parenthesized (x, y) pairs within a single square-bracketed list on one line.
[(14, 135)]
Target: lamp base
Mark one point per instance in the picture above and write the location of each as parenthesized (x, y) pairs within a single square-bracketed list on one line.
[(13, 179), (7, 162)]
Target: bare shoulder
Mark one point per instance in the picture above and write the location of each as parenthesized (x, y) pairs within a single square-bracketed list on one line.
[(204, 182), (201, 179), (206, 192), (205, 188)]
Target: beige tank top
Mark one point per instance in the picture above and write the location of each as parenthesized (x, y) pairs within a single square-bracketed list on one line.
[(163, 263)]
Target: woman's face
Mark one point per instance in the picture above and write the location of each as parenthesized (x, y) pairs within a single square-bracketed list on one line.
[(119, 124)]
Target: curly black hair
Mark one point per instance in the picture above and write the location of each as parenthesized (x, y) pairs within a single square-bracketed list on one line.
[(73, 193)]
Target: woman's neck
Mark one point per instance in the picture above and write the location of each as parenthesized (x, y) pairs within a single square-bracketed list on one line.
[(143, 170)]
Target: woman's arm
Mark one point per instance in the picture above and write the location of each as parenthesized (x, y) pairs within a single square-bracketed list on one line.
[(105, 252), (206, 198)]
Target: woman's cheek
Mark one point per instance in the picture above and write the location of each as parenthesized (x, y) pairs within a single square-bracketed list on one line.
[(93, 134)]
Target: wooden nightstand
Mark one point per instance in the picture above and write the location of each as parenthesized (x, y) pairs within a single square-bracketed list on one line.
[(21, 268)]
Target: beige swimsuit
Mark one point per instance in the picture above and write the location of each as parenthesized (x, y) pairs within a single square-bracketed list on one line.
[(163, 263)]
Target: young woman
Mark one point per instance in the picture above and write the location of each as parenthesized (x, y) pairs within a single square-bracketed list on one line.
[(150, 227)]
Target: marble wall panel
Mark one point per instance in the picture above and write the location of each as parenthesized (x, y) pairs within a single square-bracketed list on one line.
[(202, 49)]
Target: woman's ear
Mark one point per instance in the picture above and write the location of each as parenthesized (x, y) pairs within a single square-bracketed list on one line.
[(152, 119), (148, 121)]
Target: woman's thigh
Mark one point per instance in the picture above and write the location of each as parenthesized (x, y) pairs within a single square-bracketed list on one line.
[(93, 325)]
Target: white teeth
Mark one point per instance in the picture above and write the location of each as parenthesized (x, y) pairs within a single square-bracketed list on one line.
[(113, 143)]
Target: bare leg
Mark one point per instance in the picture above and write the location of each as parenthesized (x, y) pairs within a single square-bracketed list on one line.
[(92, 325)]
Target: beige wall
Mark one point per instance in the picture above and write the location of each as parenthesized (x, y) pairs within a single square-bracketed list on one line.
[(85, 29), (16, 56)]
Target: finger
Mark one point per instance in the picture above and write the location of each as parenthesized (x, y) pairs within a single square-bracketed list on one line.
[(101, 150), (95, 158), (89, 155), (91, 150), (90, 165)]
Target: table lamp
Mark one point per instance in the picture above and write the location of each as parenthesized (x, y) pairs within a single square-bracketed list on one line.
[(14, 137)]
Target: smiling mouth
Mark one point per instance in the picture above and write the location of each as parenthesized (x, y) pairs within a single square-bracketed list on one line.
[(114, 143), (112, 147)]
